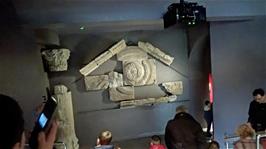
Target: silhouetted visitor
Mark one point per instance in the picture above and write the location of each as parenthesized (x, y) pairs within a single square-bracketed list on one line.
[(184, 132), (12, 135), (208, 116), (257, 111)]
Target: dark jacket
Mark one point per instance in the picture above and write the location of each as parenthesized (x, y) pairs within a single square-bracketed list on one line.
[(184, 132), (257, 115)]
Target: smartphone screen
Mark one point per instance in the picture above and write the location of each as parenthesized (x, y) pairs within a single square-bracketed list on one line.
[(42, 120)]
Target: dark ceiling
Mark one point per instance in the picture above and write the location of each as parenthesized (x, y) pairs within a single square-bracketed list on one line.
[(61, 13)]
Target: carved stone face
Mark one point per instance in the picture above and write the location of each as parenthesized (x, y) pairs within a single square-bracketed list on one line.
[(57, 59)]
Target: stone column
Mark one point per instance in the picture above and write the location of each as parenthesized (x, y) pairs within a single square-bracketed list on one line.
[(66, 131)]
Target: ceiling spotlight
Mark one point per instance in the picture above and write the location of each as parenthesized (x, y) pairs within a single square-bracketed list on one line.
[(82, 28)]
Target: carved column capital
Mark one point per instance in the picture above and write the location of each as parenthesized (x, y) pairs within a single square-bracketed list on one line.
[(57, 59)]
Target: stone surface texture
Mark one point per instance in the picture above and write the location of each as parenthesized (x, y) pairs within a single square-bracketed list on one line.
[(96, 82), (148, 101), (138, 73), (132, 53), (115, 79), (57, 59), (122, 93), (94, 64), (155, 52), (175, 88), (66, 130)]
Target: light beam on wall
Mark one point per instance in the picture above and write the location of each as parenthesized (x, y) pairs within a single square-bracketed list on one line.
[(210, 88)]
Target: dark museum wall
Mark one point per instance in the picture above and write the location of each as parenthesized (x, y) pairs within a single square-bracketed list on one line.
[(21, 71), (94, 111), (22, 76), (198, 68), (238, 58)]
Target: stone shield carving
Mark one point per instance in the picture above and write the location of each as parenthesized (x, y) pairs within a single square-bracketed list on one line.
[(96, 82), (121, 93), (139, 73)]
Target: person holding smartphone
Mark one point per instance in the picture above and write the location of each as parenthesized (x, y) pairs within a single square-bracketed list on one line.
[(12, 134)]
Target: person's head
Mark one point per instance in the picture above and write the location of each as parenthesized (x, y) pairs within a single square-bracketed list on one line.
[(245, 130), (207, 102), (155, 140), (11, 125), (258, 94), (181, 108), (105, 138), (214, 145)]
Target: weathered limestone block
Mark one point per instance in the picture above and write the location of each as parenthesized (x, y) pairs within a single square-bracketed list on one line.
[(57, 59), (121, 93), (89, 68), (96, 82), (94, 64), (103, 58), (132, 53), (138, 73), (175, 88), (121, 45), (66, 130), (115, 79), (148, 101), (165, 99), (127, 103), (155, 52)]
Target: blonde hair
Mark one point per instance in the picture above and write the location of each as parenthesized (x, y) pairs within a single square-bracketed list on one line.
[(105, 137), (245, 130)]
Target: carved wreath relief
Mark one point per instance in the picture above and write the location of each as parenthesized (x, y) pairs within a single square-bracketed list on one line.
[(138, 73)]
